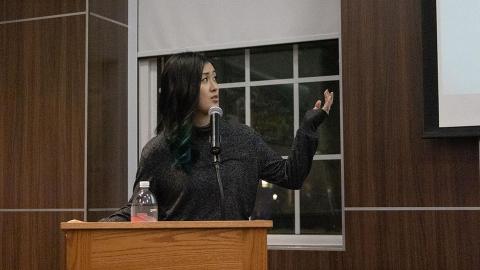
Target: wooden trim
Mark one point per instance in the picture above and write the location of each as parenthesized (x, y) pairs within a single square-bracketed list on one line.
[(165, 225)]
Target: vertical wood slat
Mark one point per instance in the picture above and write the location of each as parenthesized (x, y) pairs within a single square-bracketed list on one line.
[(107, 114), (42, 103), (387, 162)]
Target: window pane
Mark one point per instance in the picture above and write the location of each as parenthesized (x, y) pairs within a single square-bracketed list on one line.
[(272, 62), (272, 115), (232, 101), (329, 130), (320, 199), (229, 65), (277, 204), (318, 58)]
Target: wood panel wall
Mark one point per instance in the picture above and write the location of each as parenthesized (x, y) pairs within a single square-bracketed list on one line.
[(388, 164), (44, 82)]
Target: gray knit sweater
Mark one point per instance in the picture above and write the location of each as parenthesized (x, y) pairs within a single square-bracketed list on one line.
[(245, 159)]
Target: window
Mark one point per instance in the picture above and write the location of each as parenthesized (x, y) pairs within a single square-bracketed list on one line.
[(270, 88)]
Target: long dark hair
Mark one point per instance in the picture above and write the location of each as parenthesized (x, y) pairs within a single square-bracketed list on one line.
[(179, 91)]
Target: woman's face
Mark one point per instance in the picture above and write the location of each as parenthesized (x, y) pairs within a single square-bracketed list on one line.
[(209, 95)]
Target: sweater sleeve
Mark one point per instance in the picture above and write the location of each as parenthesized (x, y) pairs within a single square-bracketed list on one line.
[(292, 172)]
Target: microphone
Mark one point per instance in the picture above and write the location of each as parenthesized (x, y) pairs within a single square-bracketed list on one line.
[(215, 113)]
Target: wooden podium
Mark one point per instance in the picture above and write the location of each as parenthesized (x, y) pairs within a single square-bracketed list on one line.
[(178, 245)]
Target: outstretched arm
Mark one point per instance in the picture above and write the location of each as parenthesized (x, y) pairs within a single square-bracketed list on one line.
[(291, 173)]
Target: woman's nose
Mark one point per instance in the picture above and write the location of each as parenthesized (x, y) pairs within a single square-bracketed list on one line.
[(213, 86)]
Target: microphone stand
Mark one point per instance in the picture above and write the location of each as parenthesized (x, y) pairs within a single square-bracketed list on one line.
[(216, 163)]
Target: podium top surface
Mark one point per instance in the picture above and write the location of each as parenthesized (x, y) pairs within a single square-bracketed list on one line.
[(166, 225)]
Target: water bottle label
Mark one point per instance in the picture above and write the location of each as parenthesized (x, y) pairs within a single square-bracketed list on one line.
[(143, 217)]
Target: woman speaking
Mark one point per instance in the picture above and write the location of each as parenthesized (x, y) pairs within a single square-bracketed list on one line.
[(178, 161)]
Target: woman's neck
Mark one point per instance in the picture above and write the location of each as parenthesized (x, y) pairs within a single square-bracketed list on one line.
[(201, 120)]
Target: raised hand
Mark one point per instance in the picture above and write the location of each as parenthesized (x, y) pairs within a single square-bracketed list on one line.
[(328, 102)]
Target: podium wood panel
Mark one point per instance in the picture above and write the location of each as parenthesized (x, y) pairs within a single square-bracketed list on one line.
[(167, 245)]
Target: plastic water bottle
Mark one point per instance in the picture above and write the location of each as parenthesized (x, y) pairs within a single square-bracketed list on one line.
[(144, 205)]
